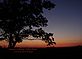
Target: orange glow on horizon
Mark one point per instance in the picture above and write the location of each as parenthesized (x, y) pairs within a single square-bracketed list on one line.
[(38, 44), (61, 42)]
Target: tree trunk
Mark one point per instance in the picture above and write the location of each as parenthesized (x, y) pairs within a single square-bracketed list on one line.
[(12, 43)]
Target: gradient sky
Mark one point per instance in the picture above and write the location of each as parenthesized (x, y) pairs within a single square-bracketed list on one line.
[(65, 21)]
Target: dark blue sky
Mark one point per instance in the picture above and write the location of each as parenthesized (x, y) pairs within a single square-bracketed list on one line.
[(66, 19)]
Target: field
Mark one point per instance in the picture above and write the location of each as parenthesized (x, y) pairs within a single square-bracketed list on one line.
[(64, 52)]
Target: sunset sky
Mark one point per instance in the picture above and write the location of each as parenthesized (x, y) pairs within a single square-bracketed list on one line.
[(65, 21)]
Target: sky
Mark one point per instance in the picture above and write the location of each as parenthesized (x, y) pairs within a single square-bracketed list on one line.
[(65, 21)]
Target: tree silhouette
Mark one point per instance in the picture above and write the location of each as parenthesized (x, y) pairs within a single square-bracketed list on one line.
[(15, 15)]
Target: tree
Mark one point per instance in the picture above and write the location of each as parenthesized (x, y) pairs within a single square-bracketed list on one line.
[(17, 14)]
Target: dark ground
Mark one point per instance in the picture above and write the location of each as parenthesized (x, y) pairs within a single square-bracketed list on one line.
[(28, 53)]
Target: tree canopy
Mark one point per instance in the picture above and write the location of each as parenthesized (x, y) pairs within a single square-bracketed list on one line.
[(17, 14)]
